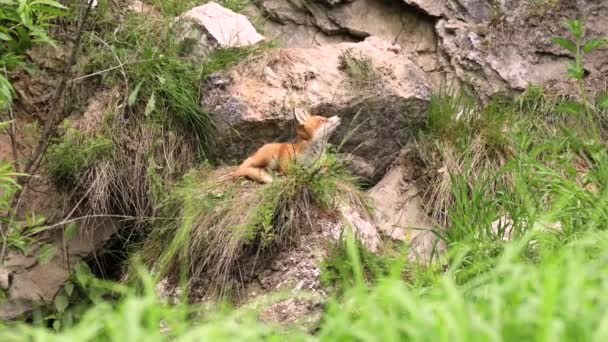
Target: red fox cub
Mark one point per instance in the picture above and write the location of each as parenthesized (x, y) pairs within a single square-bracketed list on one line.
[(312, 134)]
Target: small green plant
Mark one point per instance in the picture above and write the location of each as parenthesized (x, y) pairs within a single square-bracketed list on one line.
[(78, 294), (173, 8), (337, 271), (360, 69), (235, 5), (71, 156), (157, 71), (12, 229), (579, 47), (163, 84)]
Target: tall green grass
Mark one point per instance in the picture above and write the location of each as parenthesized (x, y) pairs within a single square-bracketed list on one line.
[(559, 298)]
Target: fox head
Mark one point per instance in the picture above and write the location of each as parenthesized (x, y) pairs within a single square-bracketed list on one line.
[(314, 127)]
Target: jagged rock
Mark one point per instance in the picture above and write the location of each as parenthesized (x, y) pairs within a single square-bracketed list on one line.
[(4, 279), (210, 26), (362, 226), (332, 3), (515, 49), (496, 46), (434, 8), (477, 10), (294, 35), (390, 21), (358, 166), (285, 11), (398, 212), (256, 107), (490, 68), (387, 20), (294, 32), (31, 283), (296, 23)]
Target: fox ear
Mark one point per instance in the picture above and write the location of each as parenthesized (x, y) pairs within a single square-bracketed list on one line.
[(301, 116)]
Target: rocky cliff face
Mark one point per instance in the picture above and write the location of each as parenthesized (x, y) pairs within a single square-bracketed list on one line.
[(493, 46)]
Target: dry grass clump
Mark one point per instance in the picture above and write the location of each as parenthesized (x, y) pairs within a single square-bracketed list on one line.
[(360, 69), (142, 161), (276, 59), (227, 229)]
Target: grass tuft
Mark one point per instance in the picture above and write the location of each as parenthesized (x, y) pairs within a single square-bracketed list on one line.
[(360, 69), (459, 139), (69, 158), (230, 227)]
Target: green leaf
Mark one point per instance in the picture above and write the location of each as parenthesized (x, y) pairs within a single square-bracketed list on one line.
[(70, 231), (83, 273), (575, 71), (575, 27), (5, 124), (133, 96), (570, 107), (40, 36), (151, 105), (602, 101), (48, 3), (565, 43), (34, 221), (594, 43), (50, 316), (46, 253), (61, 303), (69, 289), (4, 36), (56, 325), (570, 170)]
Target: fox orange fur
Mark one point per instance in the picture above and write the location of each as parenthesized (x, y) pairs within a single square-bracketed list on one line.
[(312, 133)]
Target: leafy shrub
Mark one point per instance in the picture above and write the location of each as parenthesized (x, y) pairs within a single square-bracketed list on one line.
[(579, 47), (22, 24)]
